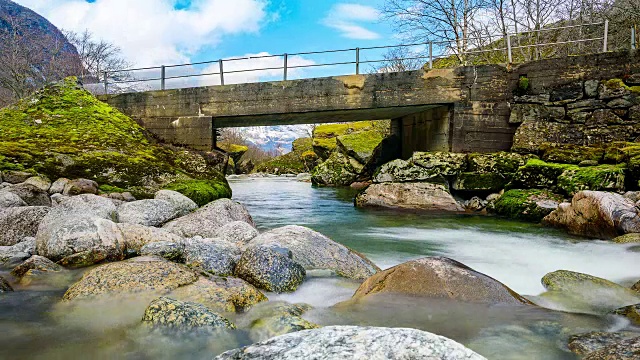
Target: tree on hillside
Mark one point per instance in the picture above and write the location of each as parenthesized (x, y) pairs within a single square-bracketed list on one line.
[(29, 59)]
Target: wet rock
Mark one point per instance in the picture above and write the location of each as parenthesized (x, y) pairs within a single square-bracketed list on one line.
[(628, 349), (9, 199), (631, 312), (583, 344), (39, 182), (141, 274), (148, 212), (4, 285), (214, 256), (267, 268), (627, 238), (37, 263), (31, 194), (337, 170), (439, 277), (418, 196), (19, 222), (80, 186), (136, 236), (303, 177), (269, 320), (237, 232), (353, 342), (15, 177), (183, 317), (404, 171), (207, 220), (225, 294), (444, 163), (58, 186), (165, 249), (596, 214), (636, 286), (315, 251), (577, 292), (182, 204), (529, 205)]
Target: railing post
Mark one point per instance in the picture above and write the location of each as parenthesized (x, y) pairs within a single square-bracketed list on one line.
[(509, 55), (106, 84), (221, 72), (606, 35), (357, 61), (286, 60), (430, 54), (633, 38), (162, 76)]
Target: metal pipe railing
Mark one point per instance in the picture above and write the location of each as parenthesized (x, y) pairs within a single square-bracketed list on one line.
[(445, 45)]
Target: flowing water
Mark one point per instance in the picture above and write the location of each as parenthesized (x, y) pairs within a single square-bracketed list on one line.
[(35, 325)]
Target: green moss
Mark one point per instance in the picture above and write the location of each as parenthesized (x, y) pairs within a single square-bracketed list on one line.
[(571, 154), (479, 182), (523, 85), (202, 192), (301, 159), (537, 174), (614, 84), (110, 189), (600, 178), (524, 204)]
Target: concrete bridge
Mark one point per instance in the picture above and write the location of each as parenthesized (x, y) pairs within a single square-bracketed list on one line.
[(465, 109)]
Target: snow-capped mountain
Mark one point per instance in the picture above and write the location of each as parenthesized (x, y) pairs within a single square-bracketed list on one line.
[(277, 138)]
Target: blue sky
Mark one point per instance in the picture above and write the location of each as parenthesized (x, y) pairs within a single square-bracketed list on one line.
[(157, 32)]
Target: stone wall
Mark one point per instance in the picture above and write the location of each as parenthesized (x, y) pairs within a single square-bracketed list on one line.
[(425, 131)]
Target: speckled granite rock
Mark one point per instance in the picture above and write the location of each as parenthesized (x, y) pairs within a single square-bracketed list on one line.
[(167, 314)]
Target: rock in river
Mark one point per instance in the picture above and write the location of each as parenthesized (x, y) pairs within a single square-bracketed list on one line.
[(628, 349), (419, 196), (439, 277), (214, 256), (354, 342), (596, 214), (208, 219), (315, 251), (4, 285), (268, 268), (183, 317), (271, 319), (583, 344), (225, 294), (141, 274), (16, 223), (37, 263)]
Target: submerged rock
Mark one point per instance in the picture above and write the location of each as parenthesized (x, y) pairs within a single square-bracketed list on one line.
[(418, 196), (225, 294), (439, 277), (354, 342), (272, 319), (631, 312), (37, 263), (267, 268), (4, 285), (315, 251), (628, 349), (596, 214), (183, 317), (16, 223), (207, 220), (583, 344), (141, 274)]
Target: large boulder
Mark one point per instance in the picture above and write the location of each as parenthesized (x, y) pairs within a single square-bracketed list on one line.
[(353, 342), (596, 214), (443, 163), (15, 177), (148, 212), (19, 222), (224, 294), (266, 267), (88, 204), (15, 254), (40, 182), (141, 274), (315, 251), (583, 344), (237, 232), (359, 145), (418, 196), (207, 220), (628, 349), (439, 277), (137, 236), (215, 256), (182, 204), (9, 199), (337, 170), (167, 314), (405, 171), (577, 292), (529, 205), (31, 194)]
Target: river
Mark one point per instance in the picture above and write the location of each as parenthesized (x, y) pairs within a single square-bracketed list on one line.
[(35, 325)]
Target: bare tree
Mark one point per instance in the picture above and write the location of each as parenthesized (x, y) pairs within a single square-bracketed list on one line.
[(400, 59), (447, 21)]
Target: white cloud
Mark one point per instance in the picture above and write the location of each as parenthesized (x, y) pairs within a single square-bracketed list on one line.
[(347, 19), (153, 32)]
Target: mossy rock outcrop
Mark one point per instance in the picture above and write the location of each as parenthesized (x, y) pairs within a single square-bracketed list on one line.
[(529, 205), (301, 159), (571, 154), (337, 170), (325, 137), (360, 145), (201, 192), (63, 131), (235, 151)]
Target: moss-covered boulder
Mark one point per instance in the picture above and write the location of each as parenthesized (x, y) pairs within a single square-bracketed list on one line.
[(627, 239), (301, 159), (473, 182), (63, 131), (405, 171), (529, 205), (337, 170), (276, 318), (571, 154), (503, 163), (325, 137), (202, 192), (235, 151), (444, 163), (360, 145), (169, 315)]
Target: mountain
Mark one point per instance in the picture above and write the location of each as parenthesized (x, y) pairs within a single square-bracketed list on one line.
[(277, 138)]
